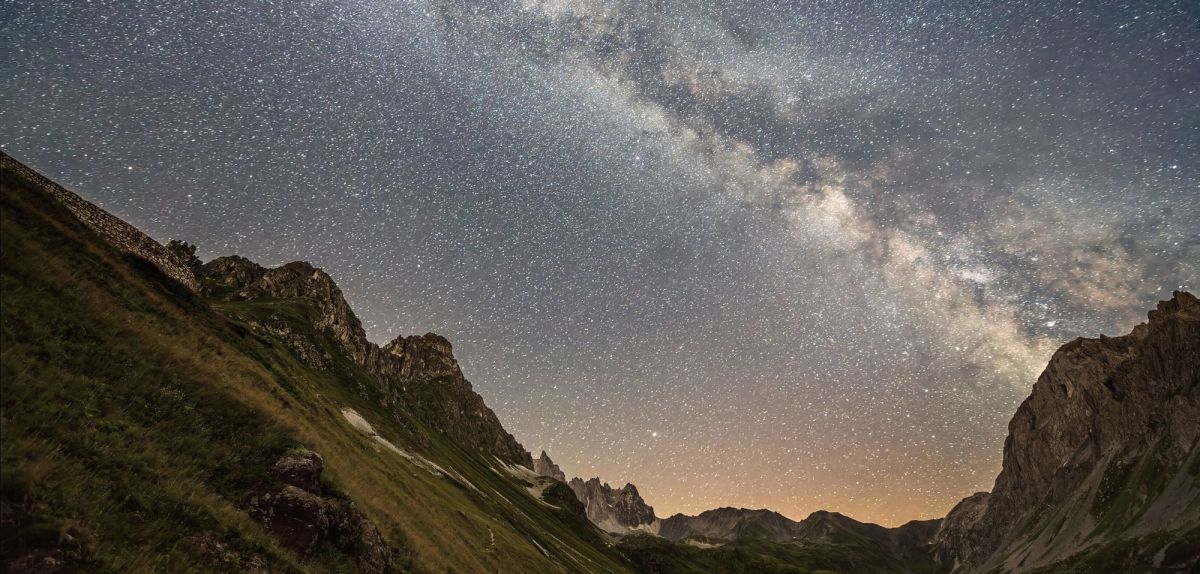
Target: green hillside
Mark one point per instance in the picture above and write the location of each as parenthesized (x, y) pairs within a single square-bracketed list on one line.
[(139, 420)]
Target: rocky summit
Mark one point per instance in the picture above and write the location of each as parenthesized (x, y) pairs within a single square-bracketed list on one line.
[(613, 509)]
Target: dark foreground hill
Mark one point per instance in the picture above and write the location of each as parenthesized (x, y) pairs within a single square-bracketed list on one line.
[(162, 414), (158, 424)]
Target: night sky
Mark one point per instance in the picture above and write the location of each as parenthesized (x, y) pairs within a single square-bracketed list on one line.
[(761, 254)]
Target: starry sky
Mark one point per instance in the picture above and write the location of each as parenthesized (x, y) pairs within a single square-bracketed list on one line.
[(793, 255)]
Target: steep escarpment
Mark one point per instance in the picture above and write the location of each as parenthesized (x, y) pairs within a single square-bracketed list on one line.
[(1102, 458), (418, 372)]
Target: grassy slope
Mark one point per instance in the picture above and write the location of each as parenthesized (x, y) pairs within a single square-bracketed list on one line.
[(135, 415)]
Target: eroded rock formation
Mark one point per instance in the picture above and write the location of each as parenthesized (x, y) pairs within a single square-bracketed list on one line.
[(613, 509)]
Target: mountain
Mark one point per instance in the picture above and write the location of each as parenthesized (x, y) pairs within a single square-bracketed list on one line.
[(737, 540), (731, 524), (904, 548), (162, 415), (1101, 466), (728, 524)]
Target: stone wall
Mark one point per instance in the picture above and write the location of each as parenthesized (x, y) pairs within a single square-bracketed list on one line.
[(122, 235)]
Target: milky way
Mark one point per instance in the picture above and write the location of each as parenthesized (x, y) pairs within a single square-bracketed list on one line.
[(739, 254)]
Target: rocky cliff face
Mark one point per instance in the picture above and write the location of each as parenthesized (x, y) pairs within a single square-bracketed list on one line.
[(424, 374), (419, 372), (175, 264), (1102, 453), (429, 355), (546, 467), (613, 509)]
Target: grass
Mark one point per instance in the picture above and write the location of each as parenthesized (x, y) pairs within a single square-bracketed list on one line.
[(652, 554)]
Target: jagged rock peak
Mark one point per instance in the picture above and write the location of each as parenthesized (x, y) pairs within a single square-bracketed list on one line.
[(1181, 304), (300, 280), (615, 510), (546, 467)]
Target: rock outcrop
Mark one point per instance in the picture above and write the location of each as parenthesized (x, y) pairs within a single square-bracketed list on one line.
[(428, 355), (300, 280), (231, 273), (125, 237), (423, 373), (1102, 453), (613, 509), (305, 515), (546, 467)]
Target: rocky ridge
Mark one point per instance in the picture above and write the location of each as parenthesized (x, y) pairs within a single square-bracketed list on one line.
[(305, 515), (731, 524), (186, 406), (418, 371)]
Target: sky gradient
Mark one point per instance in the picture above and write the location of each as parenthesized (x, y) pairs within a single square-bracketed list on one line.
[(788, 255)]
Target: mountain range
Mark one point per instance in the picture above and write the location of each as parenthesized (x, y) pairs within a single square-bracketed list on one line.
[(161, 413)]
